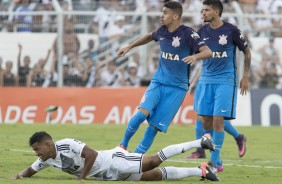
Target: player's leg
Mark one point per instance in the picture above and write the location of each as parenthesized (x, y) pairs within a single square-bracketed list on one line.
[(148, 102), (239, 138), (161, 117), (224, 108), (133, 126), (147, 140), (175, 173), (218, 138)]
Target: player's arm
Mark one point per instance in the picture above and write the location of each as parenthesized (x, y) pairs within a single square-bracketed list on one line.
[(27, 173), (244, 83), (140, 41), (19, 57), (90, 157), (204, 53), (195, 81)]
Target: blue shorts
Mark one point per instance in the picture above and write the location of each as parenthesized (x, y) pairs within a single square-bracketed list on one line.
[(162, 102), (217, 100)]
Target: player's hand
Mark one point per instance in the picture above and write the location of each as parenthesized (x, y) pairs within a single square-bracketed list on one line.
[(16, 177), (123, 51), (190, 59), (244, 85), (191, 89)]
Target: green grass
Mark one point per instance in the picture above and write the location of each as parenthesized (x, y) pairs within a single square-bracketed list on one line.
[(261, 164)]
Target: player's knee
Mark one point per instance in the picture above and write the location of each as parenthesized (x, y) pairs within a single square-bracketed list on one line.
[(155, 161)]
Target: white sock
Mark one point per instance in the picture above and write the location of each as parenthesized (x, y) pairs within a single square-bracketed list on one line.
[(174, 173), (176, 149)]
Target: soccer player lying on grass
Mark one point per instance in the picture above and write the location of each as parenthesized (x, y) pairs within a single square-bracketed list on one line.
[(76, 158)]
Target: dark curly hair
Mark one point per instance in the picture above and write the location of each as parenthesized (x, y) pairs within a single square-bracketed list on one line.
[(38, 137), (215, 4)]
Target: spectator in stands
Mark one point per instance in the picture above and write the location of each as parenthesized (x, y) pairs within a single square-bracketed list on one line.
[(7, 78), (131, 77), (277, 23), (43, 22), (23, 70), (136, 59), (70, 40), (90, 51), (38, 74), (25, 21), (75, 69), (89, 72), (116, 28), (268, 74), (111, 76)]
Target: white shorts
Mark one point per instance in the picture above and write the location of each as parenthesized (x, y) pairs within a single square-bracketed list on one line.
[(125, 166)]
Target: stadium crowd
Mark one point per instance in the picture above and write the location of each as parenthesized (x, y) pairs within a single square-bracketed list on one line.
[(97, 65)]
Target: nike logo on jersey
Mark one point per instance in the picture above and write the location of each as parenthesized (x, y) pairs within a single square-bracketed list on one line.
[(161, 124), (161, 38), (224, 110), (205, 39)]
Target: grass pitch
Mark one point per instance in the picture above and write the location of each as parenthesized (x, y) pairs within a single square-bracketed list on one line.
[(262, 163)]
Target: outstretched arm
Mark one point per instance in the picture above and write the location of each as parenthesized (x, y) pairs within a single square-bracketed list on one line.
[(204, 52), (28, 172), (90, 157), (244, 83), (140, 41)]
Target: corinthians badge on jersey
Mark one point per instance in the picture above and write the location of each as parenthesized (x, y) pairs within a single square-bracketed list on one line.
[(176, 41), (222, 40)]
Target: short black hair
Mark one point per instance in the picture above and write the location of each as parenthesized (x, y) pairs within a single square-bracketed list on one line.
[(215, 4), (38, 137), (174, 6)]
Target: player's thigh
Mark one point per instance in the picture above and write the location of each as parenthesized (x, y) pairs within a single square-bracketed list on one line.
[(225, 101), (152, 175), (205, 98), (127, 163), (151, 98), (168, 106)]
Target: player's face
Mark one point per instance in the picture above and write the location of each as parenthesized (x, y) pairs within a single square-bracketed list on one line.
[(168, 17), (207, 13), (42, 150)]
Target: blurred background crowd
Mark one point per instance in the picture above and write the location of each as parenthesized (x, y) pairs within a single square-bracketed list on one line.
[(110, 24)]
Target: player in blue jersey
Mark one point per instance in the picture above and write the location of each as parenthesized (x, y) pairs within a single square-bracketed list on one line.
[(239, 138), (219, 81), (169, 85)]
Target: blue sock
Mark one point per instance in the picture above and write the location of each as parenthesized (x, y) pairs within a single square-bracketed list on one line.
[(209, 132), (199, 129), (229, 128), (218, 138), (147, 140), (132, 127)]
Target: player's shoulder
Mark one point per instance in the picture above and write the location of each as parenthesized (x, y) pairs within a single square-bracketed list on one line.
[(186, 28), (65, 142), (230, 26), (203, 27)]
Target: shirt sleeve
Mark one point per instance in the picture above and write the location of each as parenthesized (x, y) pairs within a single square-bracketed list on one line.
[(76, 146), (239, 39), (39, 165), (195, 40), (155, 35)]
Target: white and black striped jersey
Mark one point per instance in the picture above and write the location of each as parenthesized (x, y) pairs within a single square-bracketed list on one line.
[(114, 164)]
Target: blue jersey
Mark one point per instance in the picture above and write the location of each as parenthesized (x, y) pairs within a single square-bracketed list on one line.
[(175, 46), (223, 41)]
